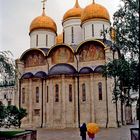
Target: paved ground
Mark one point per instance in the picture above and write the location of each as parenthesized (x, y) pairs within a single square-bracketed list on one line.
[(122, 133)]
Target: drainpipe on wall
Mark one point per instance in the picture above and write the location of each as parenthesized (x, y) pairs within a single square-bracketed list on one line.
[(106, 104), (42, 106)]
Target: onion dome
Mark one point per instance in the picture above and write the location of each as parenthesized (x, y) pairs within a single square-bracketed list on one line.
[(59, 39), (75, 12), (43, 22), (94, 11)]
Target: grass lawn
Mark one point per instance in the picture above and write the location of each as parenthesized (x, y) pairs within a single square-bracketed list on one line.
[(9, 134)]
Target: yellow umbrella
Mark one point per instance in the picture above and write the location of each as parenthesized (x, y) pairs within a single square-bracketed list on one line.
[(92, 128)]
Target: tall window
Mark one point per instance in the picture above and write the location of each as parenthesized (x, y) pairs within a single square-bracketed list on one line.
[(70, 93), (56, 93), (72, 34), (83, 92), (46, 40), (36, 40), (37, 94), (47, 94), (23, 95), (100, 90), (92, 30), (103, 27)]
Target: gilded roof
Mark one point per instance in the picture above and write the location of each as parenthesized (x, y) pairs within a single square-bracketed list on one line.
[(43, 22), (75, 12), (59, 39), (94, 11)]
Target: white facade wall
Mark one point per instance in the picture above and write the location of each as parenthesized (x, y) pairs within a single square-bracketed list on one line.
[(77, 32), (42, 39), (98, 27)]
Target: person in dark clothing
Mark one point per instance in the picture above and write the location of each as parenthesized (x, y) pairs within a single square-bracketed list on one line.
[(83, 130)]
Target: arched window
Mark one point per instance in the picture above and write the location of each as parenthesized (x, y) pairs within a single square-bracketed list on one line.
[(92, 30), (100, 90), (36, 40), (37, 94), (70, 93), (46, 40), (83, 92), (56, 93), (1, 103), (23, 95), (72, 34)]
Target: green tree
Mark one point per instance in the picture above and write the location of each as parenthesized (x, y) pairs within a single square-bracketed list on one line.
[(11, 116), (7, 66), (126, 23), (2, 115), (15, 115), (126, 75)]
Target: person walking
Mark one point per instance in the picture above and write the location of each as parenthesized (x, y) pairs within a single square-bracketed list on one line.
[(83, 130)]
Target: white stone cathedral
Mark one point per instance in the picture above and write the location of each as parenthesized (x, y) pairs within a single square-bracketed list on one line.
[(60, 81)]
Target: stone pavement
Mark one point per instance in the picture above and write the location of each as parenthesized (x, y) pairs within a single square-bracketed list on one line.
[(122, 133)]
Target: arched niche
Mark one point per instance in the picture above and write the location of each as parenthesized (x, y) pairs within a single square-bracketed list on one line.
[(91, 51), (61, 54), (33, 57)]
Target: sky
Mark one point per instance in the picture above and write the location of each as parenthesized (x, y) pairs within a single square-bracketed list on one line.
[(17, 15)]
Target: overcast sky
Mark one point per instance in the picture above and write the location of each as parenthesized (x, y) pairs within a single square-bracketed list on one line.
[(17, 15)]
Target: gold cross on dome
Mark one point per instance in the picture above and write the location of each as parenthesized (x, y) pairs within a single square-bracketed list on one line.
[(43, 1)]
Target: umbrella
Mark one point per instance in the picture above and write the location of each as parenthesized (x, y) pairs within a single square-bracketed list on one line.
[(92, 128)]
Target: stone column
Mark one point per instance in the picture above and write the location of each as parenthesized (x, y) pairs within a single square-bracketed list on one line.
[(92, 104), (50, 111), (30, 102), (76, 103), (63, 92), (44, 103)]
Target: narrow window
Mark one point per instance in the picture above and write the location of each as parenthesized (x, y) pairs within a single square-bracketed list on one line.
[(70, 93), (56, 93), (72, 34), (103, 28), (46, 40), (37, 94), (0, 102), (100, 90), (92, 30), (47, 94), (83, 92), (5, 96), (23, 95), (9, 103), (36, 40)]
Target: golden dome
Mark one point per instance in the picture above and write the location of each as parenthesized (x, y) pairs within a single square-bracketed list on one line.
[(75, 12), (43, 22), (94, 11), (59, 39)]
